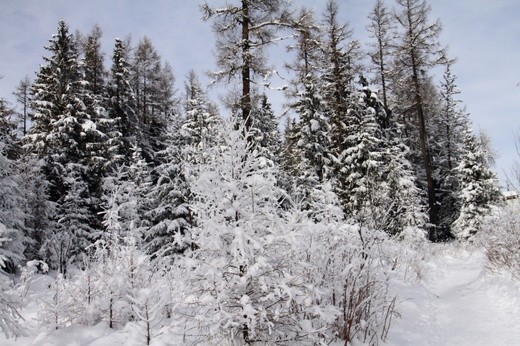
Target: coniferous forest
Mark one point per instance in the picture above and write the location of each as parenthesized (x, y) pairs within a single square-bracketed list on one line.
[(139, 203)]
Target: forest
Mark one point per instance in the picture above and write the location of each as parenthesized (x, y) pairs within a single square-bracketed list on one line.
[(210, 221)]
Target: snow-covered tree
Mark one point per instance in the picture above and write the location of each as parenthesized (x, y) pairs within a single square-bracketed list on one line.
[(402, 209), (242, 286), (478, 189), (244, 30), (122, 107), (416, 54), (169, 215), (22, 94), (265, 129), (448, 129), (12, 212), (200, 127), (338, 71), (69, 140), (152, 84), (361, 162), (382, 31)]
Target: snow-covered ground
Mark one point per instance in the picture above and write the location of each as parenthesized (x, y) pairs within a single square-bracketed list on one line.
[(457, 301)]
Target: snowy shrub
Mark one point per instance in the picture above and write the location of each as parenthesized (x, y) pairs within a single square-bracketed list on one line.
[(345, 266), (360, 287), (37, 267), (503, 245), (147, 304), (242, 282), (56, 305)]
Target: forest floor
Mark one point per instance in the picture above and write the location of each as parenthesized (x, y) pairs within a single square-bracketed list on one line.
[(458, 301)]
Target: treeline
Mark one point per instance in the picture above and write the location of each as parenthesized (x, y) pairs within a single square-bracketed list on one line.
[(112, 156)]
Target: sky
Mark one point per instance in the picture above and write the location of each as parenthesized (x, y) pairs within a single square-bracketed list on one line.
[(483, 35)]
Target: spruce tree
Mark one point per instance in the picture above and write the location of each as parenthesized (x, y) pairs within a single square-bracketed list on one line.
[(200, 126), (169, 215), (265, 129), (450, 125), (153, 87), (62, 137), (12, 202), (361, 163), (313, 141), (478, 189), (122, 107)]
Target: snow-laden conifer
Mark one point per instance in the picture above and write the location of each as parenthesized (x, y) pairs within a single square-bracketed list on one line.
[(478, 189)]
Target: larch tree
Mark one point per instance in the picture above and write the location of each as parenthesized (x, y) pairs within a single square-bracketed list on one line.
[(152, 83), (418, 51), (244, 31), (381, 29), (242, 284), (22, 94)]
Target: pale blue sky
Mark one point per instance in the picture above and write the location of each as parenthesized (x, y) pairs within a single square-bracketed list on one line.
[(484, 36)]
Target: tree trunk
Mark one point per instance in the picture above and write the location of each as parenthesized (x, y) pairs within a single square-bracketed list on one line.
[(246, 70), (425, 151)]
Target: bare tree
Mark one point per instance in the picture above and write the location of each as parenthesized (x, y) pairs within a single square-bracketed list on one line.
[(22, 97), (381, 29), (513, 176)]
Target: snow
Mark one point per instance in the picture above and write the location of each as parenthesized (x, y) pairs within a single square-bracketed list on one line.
[(458, 302), (448, 297)]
